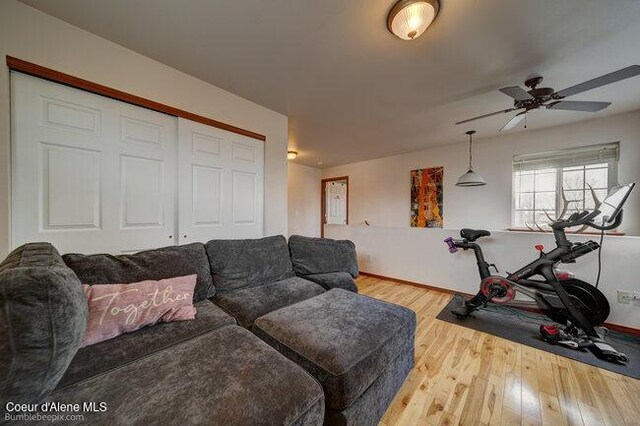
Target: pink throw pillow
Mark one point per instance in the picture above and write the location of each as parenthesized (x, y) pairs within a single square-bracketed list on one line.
[(115, 309)]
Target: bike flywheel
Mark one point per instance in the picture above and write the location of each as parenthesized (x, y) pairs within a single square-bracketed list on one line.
[(587, 298)]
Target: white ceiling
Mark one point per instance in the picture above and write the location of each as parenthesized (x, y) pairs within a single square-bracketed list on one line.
[(353, 91)]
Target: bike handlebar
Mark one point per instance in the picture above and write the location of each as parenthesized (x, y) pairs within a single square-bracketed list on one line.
[(561, 224), (452, 245), (558, 227), (614, 225)]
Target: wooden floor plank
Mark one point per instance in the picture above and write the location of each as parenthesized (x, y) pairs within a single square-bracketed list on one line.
[(466, 377), (531, 412)]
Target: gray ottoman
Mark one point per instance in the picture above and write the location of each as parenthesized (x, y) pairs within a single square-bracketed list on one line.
[(359, 348)]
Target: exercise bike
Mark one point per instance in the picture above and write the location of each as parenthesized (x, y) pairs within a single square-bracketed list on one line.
[(578, 306)]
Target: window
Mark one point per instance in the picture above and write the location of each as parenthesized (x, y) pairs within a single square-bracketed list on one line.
[(544, 183)]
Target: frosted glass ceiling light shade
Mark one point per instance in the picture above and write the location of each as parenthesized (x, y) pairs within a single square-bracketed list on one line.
[(408, 19), (471, 178)]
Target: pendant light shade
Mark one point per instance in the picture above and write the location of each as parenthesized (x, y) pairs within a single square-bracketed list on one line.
[(408, 19), (471, 178)]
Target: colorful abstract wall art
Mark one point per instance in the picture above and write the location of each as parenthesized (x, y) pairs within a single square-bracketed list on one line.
[(426, 197)]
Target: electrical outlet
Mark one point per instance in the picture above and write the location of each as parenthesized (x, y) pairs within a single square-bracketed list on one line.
[(628, 296), (624, 296)]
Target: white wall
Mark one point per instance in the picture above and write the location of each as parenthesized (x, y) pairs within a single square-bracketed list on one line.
[(36, 37), (304, 200), (419, 255), (379, 189), (379, 193)]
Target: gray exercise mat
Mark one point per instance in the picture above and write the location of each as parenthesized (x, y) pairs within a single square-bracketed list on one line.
[(501, 321)]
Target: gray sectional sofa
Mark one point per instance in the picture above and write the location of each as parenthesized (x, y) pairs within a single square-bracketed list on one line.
[(280, 337)]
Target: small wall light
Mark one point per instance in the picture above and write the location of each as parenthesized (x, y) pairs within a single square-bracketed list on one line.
[(291, 155)]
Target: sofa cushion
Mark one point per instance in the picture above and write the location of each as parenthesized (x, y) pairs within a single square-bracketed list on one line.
[(322, 255), (250, 303), (130, 347), (237, 264), (158, 264), (345, 340), (342, 280), (223, 377), (43, 314)]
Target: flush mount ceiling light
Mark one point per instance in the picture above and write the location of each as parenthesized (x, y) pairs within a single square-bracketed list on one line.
[(291, 155), (408, 19), (471, 178)]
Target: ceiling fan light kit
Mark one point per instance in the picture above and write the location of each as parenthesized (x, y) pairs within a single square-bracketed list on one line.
[(408, 19), (536, 98), (471, 178)]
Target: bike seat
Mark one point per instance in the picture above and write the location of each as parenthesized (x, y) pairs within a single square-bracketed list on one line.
[(473, 234)]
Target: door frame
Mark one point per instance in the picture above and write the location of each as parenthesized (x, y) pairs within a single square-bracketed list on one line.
[(323, 204)]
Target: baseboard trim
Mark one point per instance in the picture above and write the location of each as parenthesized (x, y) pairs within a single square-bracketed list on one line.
[(623, 329), (616, 327), (414, 283)]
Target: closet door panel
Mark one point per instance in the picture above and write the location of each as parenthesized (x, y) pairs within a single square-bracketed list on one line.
[(57, 158), (70, 195), (141, 193), (89, 174), (220, 184), (203, 182), (207, 196), (247, 193), (244, 191), (147, 162)]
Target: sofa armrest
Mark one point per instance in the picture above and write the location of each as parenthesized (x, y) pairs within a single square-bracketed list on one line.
[(311, 256), (43, 316), (342, 280)]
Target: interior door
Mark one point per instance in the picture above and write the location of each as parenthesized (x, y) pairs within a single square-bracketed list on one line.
[(221, 184), (147, 179), (90, 174), (336, 196)]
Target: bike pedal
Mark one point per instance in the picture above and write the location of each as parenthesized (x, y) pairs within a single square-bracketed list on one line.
[(550, 333)]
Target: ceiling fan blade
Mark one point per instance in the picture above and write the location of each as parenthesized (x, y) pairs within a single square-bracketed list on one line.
[(516, 92), (579, 105), (513, 122), (504, 111), (612, 77)]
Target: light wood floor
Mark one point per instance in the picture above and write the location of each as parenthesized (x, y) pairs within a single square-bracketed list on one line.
[(468, 377)]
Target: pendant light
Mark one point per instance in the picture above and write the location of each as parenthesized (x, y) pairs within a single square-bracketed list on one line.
[(471, 178), (408, 19)]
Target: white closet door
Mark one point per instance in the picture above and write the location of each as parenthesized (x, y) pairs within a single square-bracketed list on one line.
[(90, 174), (221, 184)]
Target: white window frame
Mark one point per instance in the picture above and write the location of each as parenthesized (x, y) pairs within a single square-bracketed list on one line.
[(559, 160)]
